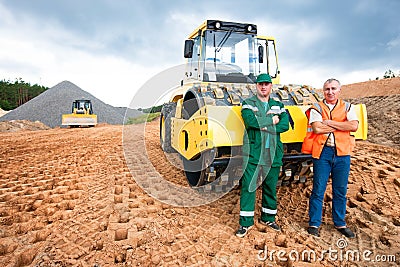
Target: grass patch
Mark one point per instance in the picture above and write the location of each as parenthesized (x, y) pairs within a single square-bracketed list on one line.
[(147, 117)]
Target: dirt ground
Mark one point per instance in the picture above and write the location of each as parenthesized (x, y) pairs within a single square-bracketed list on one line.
[(21, 125), (68, 198)]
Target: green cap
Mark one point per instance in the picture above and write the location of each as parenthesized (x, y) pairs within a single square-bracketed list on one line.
[(264, 78)]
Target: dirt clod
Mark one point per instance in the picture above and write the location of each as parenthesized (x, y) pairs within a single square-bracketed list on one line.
[(67, 197)]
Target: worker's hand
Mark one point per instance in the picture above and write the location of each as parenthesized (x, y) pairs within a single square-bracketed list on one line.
[(264, 129), (326, 122), (275, 119)]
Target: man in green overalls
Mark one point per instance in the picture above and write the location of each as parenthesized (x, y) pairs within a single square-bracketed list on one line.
[(264, 119)]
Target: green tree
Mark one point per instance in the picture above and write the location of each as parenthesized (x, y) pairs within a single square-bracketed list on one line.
[(14, 94), (389, 74), (153, 109), (4, 105)]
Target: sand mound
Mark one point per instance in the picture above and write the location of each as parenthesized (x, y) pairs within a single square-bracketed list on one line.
[(381, 98), (383, 119), (3, 112), (382, 87), (21, 125)]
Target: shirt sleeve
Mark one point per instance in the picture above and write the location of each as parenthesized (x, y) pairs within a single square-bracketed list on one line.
[(314, 116), (351, 115)]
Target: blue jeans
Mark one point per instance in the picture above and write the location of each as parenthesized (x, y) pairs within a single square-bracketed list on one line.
[(339, 168)]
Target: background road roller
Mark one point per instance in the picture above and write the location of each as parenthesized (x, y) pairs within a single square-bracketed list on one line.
[(81, 115), (202, 121)]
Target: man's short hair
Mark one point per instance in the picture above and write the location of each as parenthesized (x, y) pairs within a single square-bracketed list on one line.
[(332, 80)]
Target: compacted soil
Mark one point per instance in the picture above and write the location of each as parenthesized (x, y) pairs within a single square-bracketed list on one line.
[(93, 197)]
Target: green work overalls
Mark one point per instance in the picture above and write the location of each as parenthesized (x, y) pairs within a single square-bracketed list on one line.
[(261, 150)]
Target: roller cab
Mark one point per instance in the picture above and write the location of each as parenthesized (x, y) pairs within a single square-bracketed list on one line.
[(202, 121)]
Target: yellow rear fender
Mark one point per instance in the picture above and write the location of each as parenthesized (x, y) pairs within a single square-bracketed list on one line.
[(222, 126), (298, 125), (362, 131), (209, 127)]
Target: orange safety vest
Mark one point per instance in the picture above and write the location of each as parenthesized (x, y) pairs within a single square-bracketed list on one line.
[(344, 142)]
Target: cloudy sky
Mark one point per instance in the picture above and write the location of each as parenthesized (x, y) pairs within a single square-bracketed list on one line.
[(111, 48)]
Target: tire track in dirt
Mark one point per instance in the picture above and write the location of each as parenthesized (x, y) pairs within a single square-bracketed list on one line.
[(375, 196), (373, 204), (383, 119), (67, 197), (293, 208), (58, 184)]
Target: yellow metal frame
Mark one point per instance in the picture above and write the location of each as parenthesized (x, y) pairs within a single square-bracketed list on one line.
[(219, 126), (78, 119), (362, 130), (201, 28), (211, 126), (300, 125), (276, 80)]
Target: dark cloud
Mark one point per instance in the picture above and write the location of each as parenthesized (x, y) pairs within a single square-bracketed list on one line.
[(346, 35), (140, 30)]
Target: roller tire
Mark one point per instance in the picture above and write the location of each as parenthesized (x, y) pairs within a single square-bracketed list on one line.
[(167, 111)]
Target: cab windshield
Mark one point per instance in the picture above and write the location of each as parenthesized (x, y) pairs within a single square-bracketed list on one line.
[(229, 57)]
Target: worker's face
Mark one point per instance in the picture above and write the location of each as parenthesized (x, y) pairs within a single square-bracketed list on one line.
[(264, 89), (331, 92)]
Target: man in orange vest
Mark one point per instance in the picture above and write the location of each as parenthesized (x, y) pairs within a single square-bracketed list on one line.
[(331, 120)]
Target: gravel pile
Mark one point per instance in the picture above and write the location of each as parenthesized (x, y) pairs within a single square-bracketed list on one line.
[(51, 104)]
